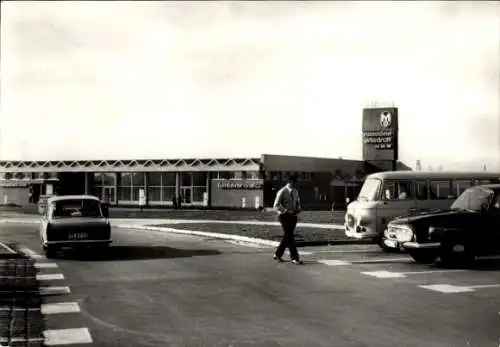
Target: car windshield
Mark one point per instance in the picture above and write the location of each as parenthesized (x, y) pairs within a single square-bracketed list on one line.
[(369, 190), (473, 199), (76, 208)]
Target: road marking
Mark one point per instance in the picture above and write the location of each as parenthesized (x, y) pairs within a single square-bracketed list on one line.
[(381, 260), (390, 274), (60, 307), (449, 288), (49, 277), (10, 250), (54, 290), (23, 340), (351, 251), (339, 262), (334, 262), (31, 253), (45, 265), (67, 336), (8, 308)]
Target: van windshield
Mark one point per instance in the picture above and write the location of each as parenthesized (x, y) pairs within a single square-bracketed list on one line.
[(370, 189), (473, 199)]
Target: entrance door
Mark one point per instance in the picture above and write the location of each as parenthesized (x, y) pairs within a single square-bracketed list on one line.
[(109, 195), (186, 195)]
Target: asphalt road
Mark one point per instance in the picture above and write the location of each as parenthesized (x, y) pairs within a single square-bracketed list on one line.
[(156, 289)]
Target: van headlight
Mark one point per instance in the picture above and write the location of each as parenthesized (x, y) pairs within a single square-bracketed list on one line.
[(403, 233)]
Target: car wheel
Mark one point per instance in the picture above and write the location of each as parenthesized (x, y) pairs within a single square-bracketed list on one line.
[(49, 252), (455, 253), (423, 256), (380, 242)]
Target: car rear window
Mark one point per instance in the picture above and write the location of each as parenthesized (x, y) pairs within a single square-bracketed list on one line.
[(76, 208)]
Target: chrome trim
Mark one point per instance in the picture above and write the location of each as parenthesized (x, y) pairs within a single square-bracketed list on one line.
[(76, 242), (421, 245)]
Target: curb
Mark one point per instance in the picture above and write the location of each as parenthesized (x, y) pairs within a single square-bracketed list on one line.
[(10, 252), (245, 239), (221, 236), (203, 234)]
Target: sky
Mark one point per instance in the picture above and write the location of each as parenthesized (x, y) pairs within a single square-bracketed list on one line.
[(130, 80)]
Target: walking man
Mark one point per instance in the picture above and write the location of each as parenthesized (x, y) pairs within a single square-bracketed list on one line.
[(287, 204)]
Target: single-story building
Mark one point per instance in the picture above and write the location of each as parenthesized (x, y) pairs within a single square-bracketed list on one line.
[(204, 183)]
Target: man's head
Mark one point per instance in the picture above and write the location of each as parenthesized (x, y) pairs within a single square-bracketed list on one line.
[(290, 181)]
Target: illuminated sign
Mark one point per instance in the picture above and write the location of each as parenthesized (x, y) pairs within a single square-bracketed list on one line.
[(239, 185)]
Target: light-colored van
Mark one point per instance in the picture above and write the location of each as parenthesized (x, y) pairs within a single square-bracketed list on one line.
[(386, 195)]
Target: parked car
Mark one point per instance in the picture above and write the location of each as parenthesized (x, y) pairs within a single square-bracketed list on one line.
[(470, 228), (75, 221)]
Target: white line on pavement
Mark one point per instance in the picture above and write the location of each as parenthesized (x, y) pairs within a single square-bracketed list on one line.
[(452, 289), (60, 307), (351, 251), (67, 336), (49, 277), (339, 262), (334, 262), (54, 290), (10, 250), (45, 265), (390, 274)]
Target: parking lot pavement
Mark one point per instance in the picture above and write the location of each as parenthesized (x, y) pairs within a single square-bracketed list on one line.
[(482, 278), (157, 289)]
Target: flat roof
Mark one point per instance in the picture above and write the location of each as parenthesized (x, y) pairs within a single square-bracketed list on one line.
[(144, 165), (433, 174)]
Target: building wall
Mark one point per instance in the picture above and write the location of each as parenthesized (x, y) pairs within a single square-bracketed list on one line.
[(14, 195), (230, 193)]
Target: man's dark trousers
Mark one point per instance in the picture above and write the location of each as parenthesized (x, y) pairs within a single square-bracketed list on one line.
[(288, 222)]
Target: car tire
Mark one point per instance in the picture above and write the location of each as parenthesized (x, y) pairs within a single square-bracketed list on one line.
[(380, 242), (450, 258), (423, 256), (49, 252)]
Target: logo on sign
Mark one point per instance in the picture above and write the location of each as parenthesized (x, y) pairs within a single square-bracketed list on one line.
[(385, 119)]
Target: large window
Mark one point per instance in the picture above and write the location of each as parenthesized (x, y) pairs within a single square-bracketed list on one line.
[(439, 190), (130, 184), (193, 186), (161, 186), (104, 186)]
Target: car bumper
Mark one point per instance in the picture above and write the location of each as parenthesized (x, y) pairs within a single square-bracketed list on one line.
[(359, 232), (392, 243), (79, 243), (416, 245)]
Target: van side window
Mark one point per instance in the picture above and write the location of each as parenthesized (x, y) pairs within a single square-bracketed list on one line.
[(421, 190), (439, 190), (398, 190), (486, 181), (460, 185)]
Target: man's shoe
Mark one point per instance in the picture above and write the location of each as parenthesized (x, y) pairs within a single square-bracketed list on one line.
[(297, 262), (275, 257)]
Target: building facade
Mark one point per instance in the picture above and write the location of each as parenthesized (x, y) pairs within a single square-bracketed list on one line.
[(203, 183)]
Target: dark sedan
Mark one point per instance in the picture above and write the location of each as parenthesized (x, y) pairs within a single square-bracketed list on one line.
[(76, 221), (469, 229)]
